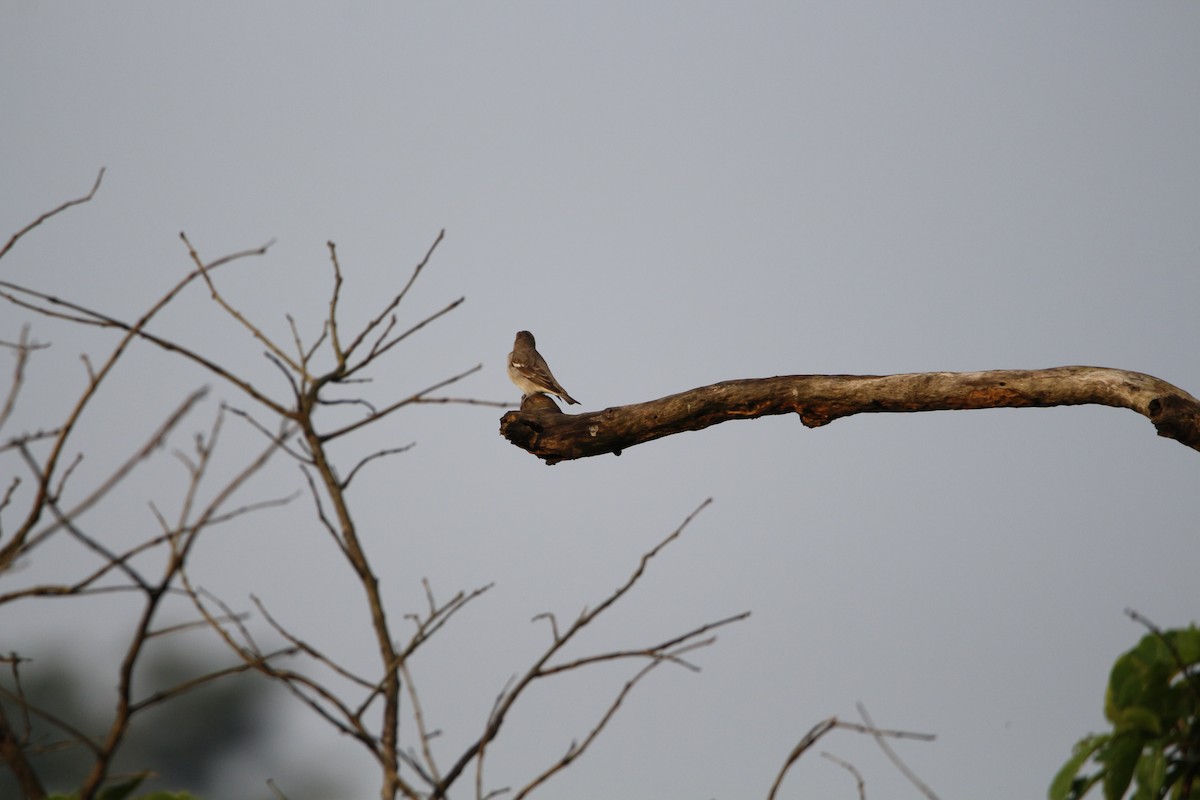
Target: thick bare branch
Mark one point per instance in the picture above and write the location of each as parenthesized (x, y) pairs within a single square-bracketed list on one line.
[(541, 428)]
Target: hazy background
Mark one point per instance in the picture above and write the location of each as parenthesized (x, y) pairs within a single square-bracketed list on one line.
[(667, 195)]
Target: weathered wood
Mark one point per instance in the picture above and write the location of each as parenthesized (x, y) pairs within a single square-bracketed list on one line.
[(541, 428)]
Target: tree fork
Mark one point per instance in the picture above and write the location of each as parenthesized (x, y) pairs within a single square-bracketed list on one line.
[(542, 429)]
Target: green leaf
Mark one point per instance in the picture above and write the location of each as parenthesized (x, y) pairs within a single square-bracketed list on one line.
[(120, 791), (1151, 773), (1137, 718), (1187, 643), (1142, 683), (1120, 759), (1152, 703), (1061, 786)]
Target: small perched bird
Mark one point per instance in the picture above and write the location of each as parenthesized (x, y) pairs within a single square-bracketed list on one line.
[(528, 370)]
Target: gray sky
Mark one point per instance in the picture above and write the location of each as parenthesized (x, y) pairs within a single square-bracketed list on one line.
[(667, 195)]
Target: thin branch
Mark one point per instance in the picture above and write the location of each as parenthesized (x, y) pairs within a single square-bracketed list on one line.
[(12, 750), (824, 727), (893, 757), (233, 312), (553, 620), (331, 325), (287, 375), (653, 651), (14, 547), (391, 451), (111, 560), (395, 300), (808, 740), (77, 201), (539, 668), (423, 734), (181, 539), (862, 785), (305, 356), (319, 506), (298, 685), (411, 399), (56, 590), (438, 616), (119, 474), (302, 646), (98, 319), (194, 624), (77, 736), (578, 749), (381, 347), (281, 436), (13, 485), (23, 348), (18, 442), (465, 401), (184, 687)]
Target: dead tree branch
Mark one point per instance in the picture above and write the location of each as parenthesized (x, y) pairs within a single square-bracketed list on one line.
[(825, 726), (365, 705), (669, 651), (541, 428), (53, 212)]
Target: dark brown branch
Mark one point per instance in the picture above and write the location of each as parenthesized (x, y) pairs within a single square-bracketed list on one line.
[(12, 754), (542, 429)]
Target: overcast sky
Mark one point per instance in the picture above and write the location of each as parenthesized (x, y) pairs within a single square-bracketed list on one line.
[(667, 195)]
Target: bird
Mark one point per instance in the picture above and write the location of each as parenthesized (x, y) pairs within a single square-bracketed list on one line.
[(528, 370)]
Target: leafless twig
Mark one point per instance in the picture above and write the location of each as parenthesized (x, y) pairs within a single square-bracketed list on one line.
[(892, 756), (671, 650), (53, 212), (862, 786), (825, 726)]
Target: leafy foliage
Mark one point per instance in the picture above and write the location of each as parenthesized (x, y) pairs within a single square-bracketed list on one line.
[(125, 789), (1153, 702)]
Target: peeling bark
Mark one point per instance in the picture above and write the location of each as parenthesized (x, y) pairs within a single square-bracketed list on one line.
[(542, 429)]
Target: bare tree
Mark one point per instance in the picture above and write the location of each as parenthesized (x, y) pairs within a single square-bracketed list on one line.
[(367, 707)]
